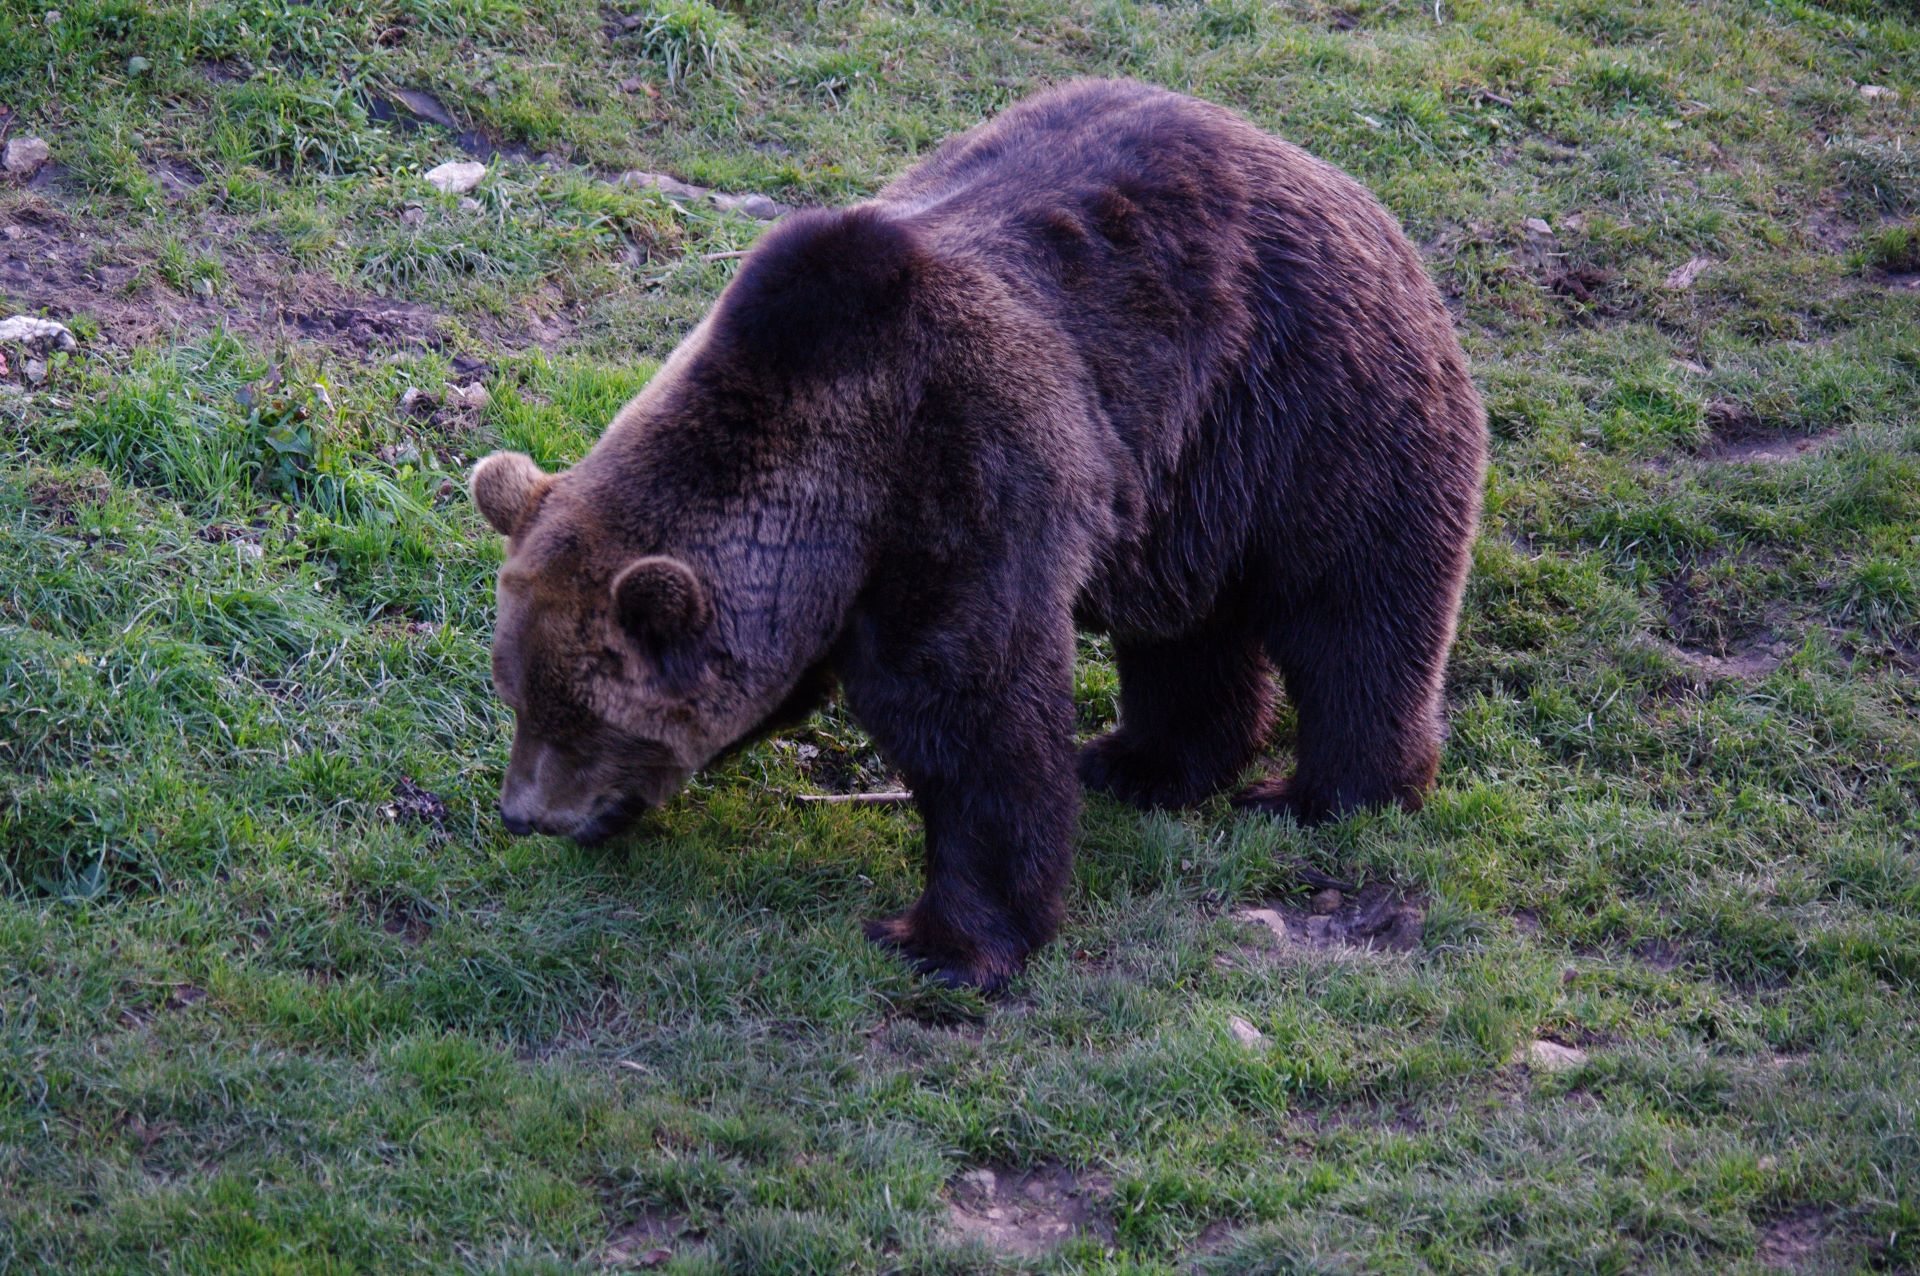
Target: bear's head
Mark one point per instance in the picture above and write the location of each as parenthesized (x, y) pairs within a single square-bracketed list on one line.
[(608, 658), (616, 647)]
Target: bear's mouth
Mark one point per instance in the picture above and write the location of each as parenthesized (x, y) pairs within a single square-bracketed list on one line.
[(609, 822)]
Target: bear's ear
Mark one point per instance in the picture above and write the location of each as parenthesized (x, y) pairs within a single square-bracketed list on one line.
[(659, 599), (502, 485)]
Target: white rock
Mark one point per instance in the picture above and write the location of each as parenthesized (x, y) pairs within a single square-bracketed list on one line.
[(1245, 1033), (1551, 1056), (1265, 917), (36, 333), (457, 177), (1539, 226), (761, 208), (671, 187), (758, 207), (24, 157), (413, 216), (982, 1181), (1680, 278), (36, 371), (1878, 90), (468, 204), (473, 397)]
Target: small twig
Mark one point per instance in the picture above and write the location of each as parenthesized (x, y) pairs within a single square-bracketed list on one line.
[(726, 256), (893, 798)]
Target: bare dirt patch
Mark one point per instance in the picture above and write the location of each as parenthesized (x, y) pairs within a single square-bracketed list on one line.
[(1718, 625), (1026, 1212), (1744, 662), (1377, 917), (61, 499), (1794, 1241), (1740, 437), (648, 1240), (67, 265)]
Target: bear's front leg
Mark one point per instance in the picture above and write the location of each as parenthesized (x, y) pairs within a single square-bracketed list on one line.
[(991, 764)]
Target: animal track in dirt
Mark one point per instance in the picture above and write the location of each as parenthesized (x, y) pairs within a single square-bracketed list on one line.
[(1027, 1212), (65, 264)]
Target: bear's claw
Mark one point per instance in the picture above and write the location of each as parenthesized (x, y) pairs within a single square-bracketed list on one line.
[(948, 963)]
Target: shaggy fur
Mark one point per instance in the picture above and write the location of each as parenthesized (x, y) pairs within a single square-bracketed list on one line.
[(1116, 360)]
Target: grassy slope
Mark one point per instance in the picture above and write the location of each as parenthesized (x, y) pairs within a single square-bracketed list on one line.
[(264, 1007)]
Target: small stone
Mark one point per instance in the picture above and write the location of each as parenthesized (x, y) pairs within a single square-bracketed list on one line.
[(1265, 917), (24, 157), (456, 177), (472, 397), (36, 333), (1681, 277), (11, 232), (982, 1181), (53, 17), (1871, 91), (1245, 1033), (418, 402), (413, 216), (468, 204), (759, 207), (36, 371), (1328, 901), (1574, 221), (1551, 1056), (671, 187), (1539, 226)]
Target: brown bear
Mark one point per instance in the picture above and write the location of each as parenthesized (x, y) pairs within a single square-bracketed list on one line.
[(1116, 360)]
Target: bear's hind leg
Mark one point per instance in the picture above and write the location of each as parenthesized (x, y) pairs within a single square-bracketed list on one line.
[(1365, 683), (1192, 712)]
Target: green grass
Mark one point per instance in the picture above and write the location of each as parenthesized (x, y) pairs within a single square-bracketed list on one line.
[(278, 995)]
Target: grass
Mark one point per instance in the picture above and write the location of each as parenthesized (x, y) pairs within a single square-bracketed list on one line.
[(277, 994)]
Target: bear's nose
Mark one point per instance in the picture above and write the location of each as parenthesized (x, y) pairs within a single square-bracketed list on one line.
[(515, 825)]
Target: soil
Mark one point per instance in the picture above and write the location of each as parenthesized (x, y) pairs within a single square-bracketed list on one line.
[(1794, 1240), (1740, 438), (644, 1242), (414, 805), (63, 265), (1376, 918), (1026, 1212)]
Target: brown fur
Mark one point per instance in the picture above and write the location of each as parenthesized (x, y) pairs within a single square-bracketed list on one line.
[(1116, 359)]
